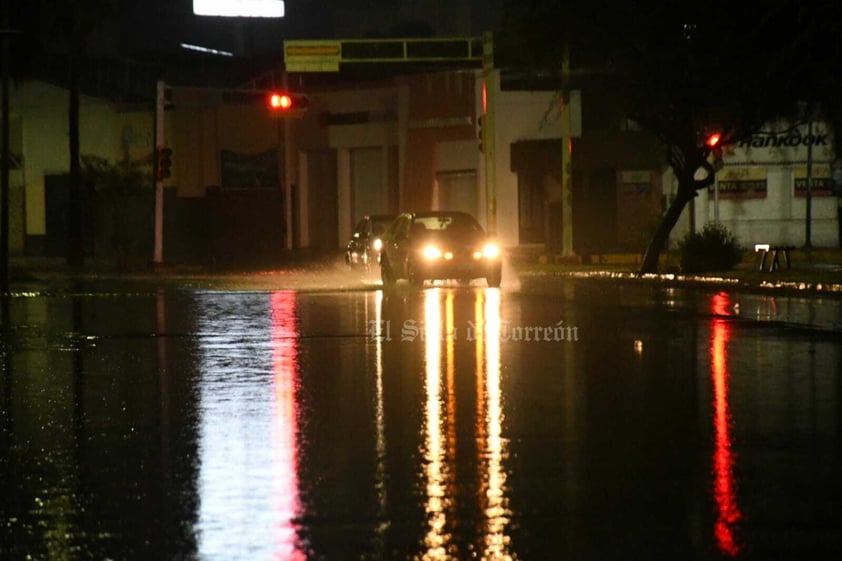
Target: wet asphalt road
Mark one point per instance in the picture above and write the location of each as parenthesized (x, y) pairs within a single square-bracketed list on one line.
[(551, 419)]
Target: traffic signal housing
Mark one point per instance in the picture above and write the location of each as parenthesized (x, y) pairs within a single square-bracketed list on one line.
[(286, 103), (164, 163), (481, 133), (714, 142)]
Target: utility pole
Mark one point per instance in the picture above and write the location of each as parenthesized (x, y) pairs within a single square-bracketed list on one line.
[(5, 60), (160, 141), (566, 161), (489, 110), (289, 176), (808, 233)]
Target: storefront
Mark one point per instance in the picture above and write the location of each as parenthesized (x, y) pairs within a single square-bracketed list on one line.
[(761, 192)]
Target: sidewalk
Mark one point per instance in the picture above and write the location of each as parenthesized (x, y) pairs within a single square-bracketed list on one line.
[(814, 271)]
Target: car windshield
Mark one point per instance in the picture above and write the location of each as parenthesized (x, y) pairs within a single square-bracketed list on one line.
[(380, 225), (449, 223)]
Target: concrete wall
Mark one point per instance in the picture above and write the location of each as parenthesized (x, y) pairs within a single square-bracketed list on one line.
[(202, 124), (105, 131), (520, 116), (361, 126), (438, 114)]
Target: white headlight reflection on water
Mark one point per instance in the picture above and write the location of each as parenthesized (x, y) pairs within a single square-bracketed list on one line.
[(437, 539), (380, 419), (248, 479), (440, 437), (497, 513)]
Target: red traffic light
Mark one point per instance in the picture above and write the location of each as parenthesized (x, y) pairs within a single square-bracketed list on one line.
[(713, 139), (280, 101), (283, 102)]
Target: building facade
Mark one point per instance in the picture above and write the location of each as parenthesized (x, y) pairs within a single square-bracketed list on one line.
[(39, 139), (248, 182), (760, 193)]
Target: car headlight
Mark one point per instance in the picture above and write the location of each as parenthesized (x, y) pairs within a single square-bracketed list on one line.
[(431, 252), (491, 251), (377, 244)]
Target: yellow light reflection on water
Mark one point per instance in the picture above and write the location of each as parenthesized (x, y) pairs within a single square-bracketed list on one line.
[(380, 421), (441, 341), (450, 367), (437, 538), (497, 513)]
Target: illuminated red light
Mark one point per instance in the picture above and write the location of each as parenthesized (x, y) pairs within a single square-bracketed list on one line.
[(280, 101), (714, 139)]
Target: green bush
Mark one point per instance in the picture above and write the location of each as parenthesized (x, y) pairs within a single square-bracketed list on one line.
[(122, 213), (712, 249)]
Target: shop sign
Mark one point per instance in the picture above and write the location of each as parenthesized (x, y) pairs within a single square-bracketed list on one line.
[(822, 185), (741, 183), (636, 183)]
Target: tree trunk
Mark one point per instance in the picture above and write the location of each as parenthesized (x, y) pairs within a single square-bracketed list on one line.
[(74, 208), (659, 239)]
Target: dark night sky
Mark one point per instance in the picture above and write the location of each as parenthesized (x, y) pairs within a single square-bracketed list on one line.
[(161, 25), (152, 31)]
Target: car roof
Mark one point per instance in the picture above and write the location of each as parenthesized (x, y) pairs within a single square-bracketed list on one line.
[(435, 213), (380, 216)]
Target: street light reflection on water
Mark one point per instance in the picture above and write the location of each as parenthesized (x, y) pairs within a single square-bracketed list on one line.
[(216, 425), (248, 460), (243, 451)]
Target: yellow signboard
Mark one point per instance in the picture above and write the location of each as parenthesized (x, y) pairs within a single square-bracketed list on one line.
[(741, 183), (820, 182), (319, 50), (325, 55), (312, 55)]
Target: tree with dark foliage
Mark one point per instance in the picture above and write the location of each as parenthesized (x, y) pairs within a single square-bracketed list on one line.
[(683, 70)]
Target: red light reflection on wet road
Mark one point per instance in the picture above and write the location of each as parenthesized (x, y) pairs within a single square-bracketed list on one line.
[(284, 414), (724, 482)]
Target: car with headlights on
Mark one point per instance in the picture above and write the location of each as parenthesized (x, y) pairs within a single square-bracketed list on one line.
[(439, 245), (363, 249)]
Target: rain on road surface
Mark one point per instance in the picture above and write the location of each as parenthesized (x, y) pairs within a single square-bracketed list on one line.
[(558, 420)]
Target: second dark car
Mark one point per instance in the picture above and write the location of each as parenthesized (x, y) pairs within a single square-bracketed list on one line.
[(439, 245), (363, 248)]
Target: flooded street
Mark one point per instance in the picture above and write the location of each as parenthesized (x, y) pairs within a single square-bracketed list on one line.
[(559, 419)]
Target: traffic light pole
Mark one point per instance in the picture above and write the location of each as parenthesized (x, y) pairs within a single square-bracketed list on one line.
[(158, 251), (289, 176), (488, 138), (4, 180), (566, 162), (808, 227)]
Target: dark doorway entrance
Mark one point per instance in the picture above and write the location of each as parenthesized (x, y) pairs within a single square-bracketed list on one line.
[(537, 164), (531, 205), (595, 210)]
